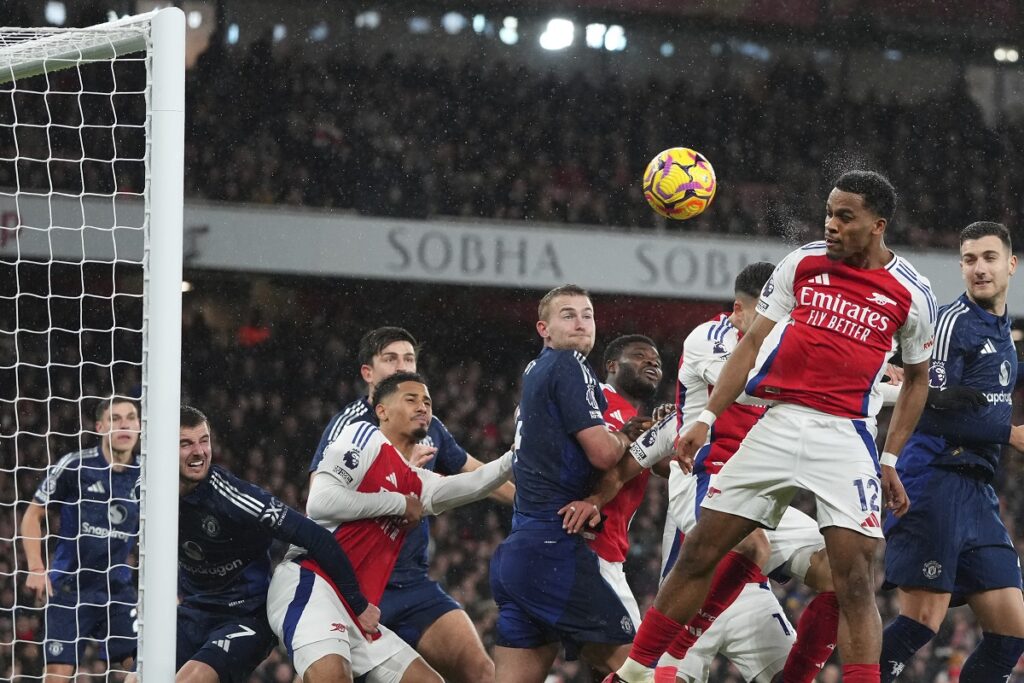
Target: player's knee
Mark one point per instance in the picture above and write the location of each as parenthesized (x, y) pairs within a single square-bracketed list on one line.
[(476, 667), (819, 572), (697, 558), (756, 547), (420, 672), (854, 585), (328, 669)]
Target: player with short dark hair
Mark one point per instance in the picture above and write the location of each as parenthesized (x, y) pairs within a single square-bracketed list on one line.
[(952, 542), (88, 586), (415, 606), (826, 325), (365, 491), (225, 529), (548, 583)]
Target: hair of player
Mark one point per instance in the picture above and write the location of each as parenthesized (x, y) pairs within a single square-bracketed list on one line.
[(878, 193), (751, 279), (617, 346), (105, 404), (388, 386), (563, 290), (375, 341), (192, 417), (980, 229)]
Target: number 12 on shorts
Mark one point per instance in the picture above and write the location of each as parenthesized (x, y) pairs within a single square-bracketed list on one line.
[(868, 488)]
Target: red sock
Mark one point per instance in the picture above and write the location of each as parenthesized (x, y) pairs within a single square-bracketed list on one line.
[(861, 673), (733, 573), (655, 633), (816, 634)]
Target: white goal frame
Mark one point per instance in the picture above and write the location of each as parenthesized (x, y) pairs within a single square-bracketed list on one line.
[(162, 35)]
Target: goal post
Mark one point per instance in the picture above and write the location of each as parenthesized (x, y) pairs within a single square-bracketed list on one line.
[(91, 186)]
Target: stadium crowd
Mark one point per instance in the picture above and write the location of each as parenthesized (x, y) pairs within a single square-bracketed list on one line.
[(271, 382)]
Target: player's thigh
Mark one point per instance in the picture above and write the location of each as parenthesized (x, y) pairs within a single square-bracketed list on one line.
[(524, 665), (793, 542), (330, 668), (59, 673), (605, 657), (235, 646), (758, 482), (452, 646), (924, 606), (412, 610), (404, 666), (999, 611), (715, 534), (840, 467), (196, 672)]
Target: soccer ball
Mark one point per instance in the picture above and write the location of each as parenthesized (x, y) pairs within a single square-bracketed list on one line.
[(679, 183)]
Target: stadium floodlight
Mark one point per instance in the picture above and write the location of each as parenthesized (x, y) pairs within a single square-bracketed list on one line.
[(453, 23), (594, 35), (232, 34), (56, 12), (91, 157), (615, 38), (558, 35), (1012, 55), (369, 19), (667, 49), (509, 33), (195, 19), (1000, 54)]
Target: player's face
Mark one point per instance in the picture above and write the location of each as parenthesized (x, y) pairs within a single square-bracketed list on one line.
[(850, 227), (195, 451), (398, 356), (570, 324), (987, 265), (408, 411), (120, 427), (744, 310), (638, 370)]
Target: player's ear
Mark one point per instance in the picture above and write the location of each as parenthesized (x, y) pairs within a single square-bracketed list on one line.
[(1013, 263), (542, 329), (366, 372), (879, 228), (380, 410)]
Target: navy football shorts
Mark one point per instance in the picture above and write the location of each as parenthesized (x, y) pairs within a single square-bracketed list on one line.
[(549, 588), (74, 620), (952, 539), (411, 608), (233, 645)]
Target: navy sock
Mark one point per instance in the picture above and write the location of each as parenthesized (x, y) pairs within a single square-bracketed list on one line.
[(993, 659), (900, 640)]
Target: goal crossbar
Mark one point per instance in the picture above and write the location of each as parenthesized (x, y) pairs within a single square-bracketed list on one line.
[(30, 52)]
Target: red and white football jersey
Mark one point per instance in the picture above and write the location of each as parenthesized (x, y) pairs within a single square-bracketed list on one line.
[(362, 459), (612, 543), (837, 328), (705, 351)]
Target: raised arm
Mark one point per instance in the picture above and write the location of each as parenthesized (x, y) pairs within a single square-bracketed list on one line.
[(442, 493)]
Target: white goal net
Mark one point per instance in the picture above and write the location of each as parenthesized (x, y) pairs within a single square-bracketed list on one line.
[(91, 131)]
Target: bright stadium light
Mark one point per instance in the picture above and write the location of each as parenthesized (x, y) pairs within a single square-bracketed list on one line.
[(615, 39), (369, 19), (319, 32), (1012, 55), (280, 32), (479, 23), (419, 25), (509, 33), (667, 49), (186, 286), (1000, 54), (56, 13), (195, 19), (453, 23), (558, 35), (594, 34), (232, 35)]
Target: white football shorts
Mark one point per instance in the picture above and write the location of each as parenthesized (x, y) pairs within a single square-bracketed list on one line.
[(311, 622), (612, 573), (793, 447)]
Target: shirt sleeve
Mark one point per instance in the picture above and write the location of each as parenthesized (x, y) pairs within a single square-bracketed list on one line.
[(576, 394), (450, 457), (656, 443), (441, 493), (777, 297), (917, 332), (703, 357), (56, 486)]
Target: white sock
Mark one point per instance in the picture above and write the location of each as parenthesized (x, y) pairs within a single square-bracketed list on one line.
[(633, 671)]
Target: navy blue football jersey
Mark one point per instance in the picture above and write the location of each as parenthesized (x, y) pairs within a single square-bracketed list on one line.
[(99, 522), (450, 458), (972, 348), (561, 396)]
